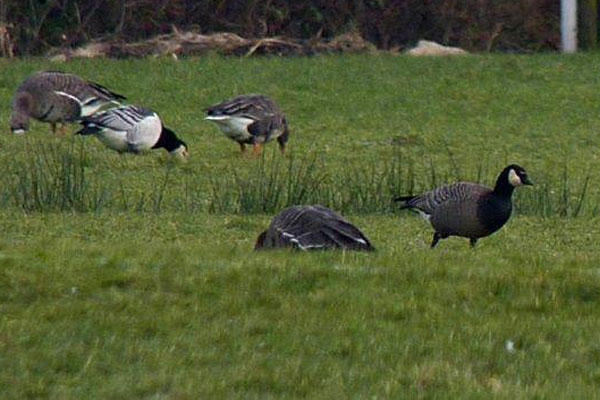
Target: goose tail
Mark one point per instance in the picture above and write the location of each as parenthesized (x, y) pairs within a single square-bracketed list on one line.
[(405, 199), (109, 94)]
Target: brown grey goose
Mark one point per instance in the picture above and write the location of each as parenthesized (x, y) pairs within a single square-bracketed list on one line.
[(57, 97), (467, 209), (312, 228), (132, 129), (250, 119)]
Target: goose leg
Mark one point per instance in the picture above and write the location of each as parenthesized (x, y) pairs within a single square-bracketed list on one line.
[(436, 239), (473, 241), (53, 127), (62, 130), (257, 149), (281, 145), (242, 147)]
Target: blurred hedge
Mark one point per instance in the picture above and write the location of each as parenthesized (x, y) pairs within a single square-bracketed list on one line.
[(34, 26)]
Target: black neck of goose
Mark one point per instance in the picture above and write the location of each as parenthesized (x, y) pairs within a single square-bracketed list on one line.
[(503, 186), (168, 140)]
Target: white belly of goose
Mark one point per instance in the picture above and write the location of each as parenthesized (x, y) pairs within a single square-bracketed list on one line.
[(233, 127), (116, 140), (140, 137)]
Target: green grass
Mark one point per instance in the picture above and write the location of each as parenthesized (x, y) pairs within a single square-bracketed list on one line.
[(128, 276)]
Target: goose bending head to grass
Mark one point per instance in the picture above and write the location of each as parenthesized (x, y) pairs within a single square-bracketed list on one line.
[(312, 228), (467, 209), (132, 129), (250, 119), (56, 97)]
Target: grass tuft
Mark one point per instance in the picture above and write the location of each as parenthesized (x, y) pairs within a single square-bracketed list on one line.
[(53, 179), (564, 198)]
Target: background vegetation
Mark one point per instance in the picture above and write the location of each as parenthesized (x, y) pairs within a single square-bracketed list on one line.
[(126, 276), (29, 27)]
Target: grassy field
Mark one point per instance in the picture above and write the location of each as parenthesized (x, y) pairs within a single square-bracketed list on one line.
[(127, 276)]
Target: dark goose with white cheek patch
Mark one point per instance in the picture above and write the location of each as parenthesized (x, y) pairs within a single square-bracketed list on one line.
[(467, 209)]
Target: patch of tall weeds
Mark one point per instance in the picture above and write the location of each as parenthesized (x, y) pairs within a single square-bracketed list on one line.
[(565, 198), (56, 177), (50, 178), (277, 183)]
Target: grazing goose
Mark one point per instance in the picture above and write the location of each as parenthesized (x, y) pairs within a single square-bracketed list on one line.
[(132, 129), (250, 119), (57, 97), (468, 209), (312, 228)]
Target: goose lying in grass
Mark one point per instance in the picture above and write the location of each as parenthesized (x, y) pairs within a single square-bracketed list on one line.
[(132, 129), (250, 119), (467, 209), (57, 97), (312, 228)]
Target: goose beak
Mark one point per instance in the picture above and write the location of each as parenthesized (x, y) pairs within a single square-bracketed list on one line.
[(527, 182)]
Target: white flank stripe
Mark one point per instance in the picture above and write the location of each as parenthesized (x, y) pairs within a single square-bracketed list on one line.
[(423, 214), (70, 96), (217, 117)]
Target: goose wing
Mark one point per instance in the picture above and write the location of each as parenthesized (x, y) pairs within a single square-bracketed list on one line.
[(455, 193), (254, 107), (89, 96), (315, 227), (132, 120), (104, 93), (118, 119), (128, 128)]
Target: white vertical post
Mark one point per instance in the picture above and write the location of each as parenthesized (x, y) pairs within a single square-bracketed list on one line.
[(568, 25)]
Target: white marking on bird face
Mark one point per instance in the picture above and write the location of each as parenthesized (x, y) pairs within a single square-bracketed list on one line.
[(181, 152), (514, 178), (18, 131)]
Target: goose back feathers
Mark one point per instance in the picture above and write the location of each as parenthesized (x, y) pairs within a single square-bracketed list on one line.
[(250, 119), (312, 228), (132, 129), (467, 209), (57, 97)]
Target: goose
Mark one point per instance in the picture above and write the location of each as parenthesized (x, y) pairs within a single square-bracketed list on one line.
[(132, 129), (312, 228), (57, 97), (467, 209), (250, 119)]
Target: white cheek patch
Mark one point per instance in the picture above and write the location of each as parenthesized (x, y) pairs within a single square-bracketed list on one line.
[(514, 178), (180, 152)]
